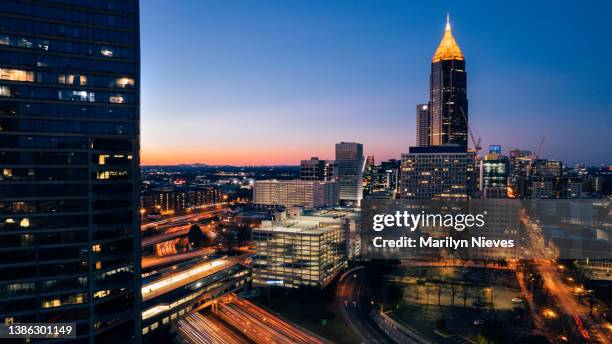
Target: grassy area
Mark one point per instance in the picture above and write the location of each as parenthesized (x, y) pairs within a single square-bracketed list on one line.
[(316, 313)]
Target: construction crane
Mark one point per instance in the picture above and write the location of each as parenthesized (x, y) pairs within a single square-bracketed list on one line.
[(475, 142)]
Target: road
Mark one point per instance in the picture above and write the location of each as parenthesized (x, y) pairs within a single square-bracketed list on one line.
[(150, 262), (197, 328), (261, 326), (168, 235), (349, 296), (182, 219)]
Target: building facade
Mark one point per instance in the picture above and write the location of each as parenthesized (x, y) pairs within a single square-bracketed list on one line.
[(69, 155), (317, 169), (302, 193), (438, 173), (350, 163)]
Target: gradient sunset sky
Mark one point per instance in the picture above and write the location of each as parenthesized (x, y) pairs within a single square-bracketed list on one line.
[(273, 82)]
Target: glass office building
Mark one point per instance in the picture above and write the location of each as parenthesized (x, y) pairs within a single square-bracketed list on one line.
[(69, 145)]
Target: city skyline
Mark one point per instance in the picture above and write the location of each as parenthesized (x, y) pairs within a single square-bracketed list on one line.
[(357, 78)]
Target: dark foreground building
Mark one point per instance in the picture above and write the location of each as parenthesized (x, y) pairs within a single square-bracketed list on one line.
[(69, 145)]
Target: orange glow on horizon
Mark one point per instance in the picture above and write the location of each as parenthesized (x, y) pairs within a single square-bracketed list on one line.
[(238, 158)]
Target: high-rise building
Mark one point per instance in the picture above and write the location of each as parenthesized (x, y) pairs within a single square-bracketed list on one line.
[(302, 193), (445, 172), (423, 125), (69, 156), (350, 165), (316, 169), (448, 103)]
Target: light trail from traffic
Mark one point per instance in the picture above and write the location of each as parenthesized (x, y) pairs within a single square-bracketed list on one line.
[(260, 325), (203, 329)]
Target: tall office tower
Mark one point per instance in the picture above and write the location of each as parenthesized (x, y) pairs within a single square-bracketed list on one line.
[(69, 156), (350, 162), (316, 169), (446, 173), (448, 103), (423, 125)]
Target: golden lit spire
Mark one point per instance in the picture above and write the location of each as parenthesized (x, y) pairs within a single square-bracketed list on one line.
[(448, 48)]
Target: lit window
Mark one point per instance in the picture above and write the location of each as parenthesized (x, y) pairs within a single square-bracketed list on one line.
[(16, 75), (101, 293), (5, 91), (106, 52), (72, 79), (51, 303), (96, 248), (124, 82), (117, 99)]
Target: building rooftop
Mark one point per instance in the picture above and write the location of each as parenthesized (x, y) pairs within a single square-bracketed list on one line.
[(308, 225)]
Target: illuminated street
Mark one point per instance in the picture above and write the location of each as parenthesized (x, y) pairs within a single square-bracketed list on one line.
[(205, 329), (354, 312), (260, 325)]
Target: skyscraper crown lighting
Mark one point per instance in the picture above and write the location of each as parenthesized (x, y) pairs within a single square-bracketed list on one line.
[(448, 48)]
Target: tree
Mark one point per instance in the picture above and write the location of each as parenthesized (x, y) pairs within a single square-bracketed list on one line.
[(195, 234)]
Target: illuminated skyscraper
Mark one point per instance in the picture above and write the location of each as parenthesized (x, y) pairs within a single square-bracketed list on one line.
[(440, 167), (448, 103), (69, 146)]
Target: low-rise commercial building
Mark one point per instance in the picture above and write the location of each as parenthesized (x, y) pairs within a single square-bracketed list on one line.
[(306, 251)]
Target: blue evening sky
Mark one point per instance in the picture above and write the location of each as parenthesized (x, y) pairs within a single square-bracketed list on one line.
[(273, 82)]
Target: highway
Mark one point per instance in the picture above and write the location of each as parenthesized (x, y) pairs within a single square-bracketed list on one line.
[(205, 329), (177, 232), (182, 219), (153, 261), (261, 326), (349, 296)]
